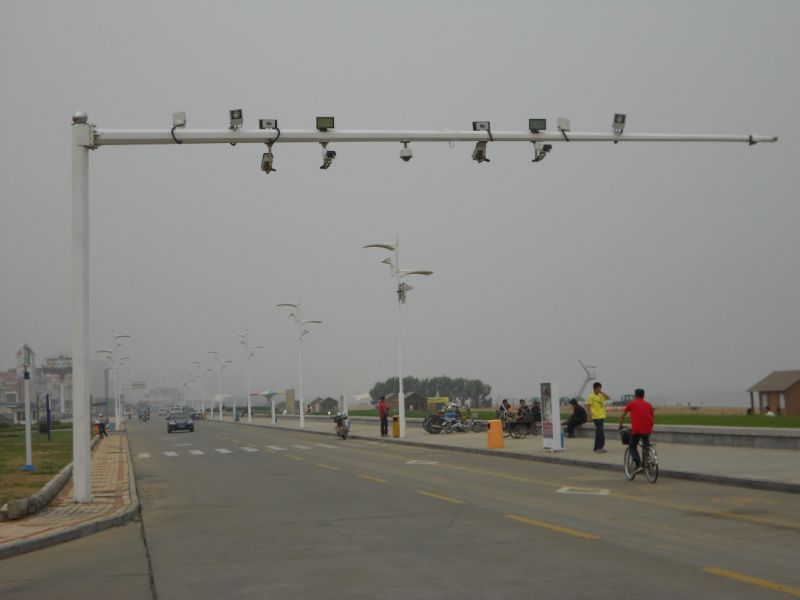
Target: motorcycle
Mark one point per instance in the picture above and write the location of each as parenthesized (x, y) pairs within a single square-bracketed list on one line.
[(342, 427)]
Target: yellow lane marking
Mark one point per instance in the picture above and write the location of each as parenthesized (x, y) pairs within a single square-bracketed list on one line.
[(776, 587), (294, 457), (373, 479), (558, 528), (324, 466), (438, 497)]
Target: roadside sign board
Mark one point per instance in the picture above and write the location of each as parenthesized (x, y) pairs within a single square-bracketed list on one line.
[(552, 437)]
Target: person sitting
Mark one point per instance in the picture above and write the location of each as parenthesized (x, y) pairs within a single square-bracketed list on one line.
[(524, 411), (576, 419), (503, 410)]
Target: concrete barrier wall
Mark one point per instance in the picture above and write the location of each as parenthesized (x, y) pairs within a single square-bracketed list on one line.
[(740, 437)]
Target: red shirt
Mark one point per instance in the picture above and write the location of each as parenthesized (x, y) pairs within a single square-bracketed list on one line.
[(382, 410), (641, 416)]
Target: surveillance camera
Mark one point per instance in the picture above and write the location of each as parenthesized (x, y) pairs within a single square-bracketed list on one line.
[(236, 118), (266, 166), (405, 152), (479, 154), (327, 158)]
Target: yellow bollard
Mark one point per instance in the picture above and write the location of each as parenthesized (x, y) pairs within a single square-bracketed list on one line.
[(396, 426), (496, 434)]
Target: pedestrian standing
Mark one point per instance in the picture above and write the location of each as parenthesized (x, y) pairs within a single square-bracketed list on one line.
[(383, 413), (597, 403)]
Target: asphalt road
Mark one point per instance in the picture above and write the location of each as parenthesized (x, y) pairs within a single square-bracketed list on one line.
[(244, 512)]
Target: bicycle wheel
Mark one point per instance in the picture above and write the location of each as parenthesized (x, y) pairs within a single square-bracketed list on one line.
[(650, 464), (448, 427), (630, 466)]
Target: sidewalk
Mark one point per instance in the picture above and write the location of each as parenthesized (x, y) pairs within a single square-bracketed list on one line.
[(775, 470), (113, 502)]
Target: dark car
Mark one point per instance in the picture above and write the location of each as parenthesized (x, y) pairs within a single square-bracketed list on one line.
[(180, 421)]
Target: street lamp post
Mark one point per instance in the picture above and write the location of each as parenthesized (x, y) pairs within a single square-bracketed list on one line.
[(248, 354), (402, 289), (300, 323), (222, 364)]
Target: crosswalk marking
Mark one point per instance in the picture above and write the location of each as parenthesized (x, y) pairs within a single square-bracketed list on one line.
[(170, 454), (299, 447), (276, 448), (198, 452), (223, 450), (144, 455), (325, 445), (249, 449)]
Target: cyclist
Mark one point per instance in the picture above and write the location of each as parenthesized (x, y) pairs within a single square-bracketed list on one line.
[(642, 419)]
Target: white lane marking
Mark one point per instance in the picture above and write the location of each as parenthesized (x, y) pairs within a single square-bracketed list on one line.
[(325, 445), (144, 455), (197, 452), (276, 448), (170, 454), (249, 449), (422, 462), (223, 450), (183, 444), (299, 447), (585, 491)]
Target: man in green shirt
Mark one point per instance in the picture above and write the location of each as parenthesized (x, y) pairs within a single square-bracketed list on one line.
[(597, 403)]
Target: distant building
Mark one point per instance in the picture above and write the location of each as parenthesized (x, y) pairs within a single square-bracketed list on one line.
[(780, 391), (320, 405), (411, 399)]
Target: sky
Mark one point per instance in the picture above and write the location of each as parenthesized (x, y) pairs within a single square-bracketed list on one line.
[(671, 267)]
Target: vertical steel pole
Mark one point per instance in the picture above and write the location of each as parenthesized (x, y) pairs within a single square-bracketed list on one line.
[(220, 392), (401, 398), (28, 418), (81, 453), (300, 373), (247, 386)]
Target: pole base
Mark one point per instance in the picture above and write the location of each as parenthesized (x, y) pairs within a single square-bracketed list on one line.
[(30, 468)]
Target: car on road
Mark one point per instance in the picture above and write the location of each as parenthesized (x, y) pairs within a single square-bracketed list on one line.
[(180, 421)]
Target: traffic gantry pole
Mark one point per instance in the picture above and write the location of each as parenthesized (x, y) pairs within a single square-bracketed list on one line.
[(81, 412), (86, 136)]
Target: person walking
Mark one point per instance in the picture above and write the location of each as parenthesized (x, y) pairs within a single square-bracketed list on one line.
[(383, 413), (100, 421), (642, 419), (576, 419), (597, 404)]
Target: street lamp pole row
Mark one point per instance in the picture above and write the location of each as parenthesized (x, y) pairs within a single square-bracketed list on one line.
[(300, 323)]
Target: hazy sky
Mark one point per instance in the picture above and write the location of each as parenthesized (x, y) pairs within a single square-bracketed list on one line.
[(671, 267)]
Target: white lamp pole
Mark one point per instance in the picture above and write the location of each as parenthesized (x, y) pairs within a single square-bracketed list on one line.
[(248, 354), (402, 289), (222, 364), (297, 315)]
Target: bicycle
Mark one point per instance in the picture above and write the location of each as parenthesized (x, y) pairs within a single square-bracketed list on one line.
[(648, 455)]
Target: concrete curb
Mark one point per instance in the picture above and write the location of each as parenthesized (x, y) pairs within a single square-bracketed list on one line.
[(770, 486), (119, 518)]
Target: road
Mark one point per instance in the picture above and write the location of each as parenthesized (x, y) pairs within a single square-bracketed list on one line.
[(243, 512)]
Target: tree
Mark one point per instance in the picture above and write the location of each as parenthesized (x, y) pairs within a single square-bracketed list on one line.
[(459, 390)]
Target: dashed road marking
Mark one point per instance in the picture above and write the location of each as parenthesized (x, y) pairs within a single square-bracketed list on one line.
[(440, 497), (223, 450), (170, 454), (276, 448), (370, 478), (325, 445), (293, 456), (249, 449), (183, 444), (558, 528), (299, 447), (777, 587), (584, 491), (324, 466), (144, 455), (422, 462), (197, 452)]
